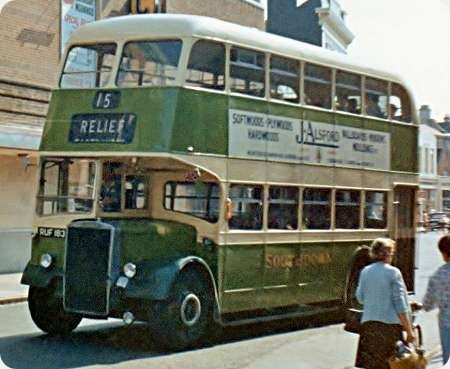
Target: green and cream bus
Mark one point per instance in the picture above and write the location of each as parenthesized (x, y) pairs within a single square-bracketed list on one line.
[(195, 172)]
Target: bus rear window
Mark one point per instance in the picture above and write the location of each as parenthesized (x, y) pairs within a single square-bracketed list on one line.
[(88, 66), (149, 63)]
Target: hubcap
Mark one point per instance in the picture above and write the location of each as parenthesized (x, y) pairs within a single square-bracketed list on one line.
[(191, 309)]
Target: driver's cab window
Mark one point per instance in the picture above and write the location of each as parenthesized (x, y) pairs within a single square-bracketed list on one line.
[(122, 191), (135, 192), (111, 190)]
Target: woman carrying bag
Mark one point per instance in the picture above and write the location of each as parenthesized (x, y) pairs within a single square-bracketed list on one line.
[(386, 314)]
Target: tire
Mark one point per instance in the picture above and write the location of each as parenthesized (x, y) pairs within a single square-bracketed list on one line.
[(181, 321), (48, 313)]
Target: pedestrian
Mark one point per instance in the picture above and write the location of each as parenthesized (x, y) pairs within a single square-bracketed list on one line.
[(386, 314), (438, 296)]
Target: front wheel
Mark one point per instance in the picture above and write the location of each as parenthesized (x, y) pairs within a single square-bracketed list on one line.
[(181, 321), (48, 313)]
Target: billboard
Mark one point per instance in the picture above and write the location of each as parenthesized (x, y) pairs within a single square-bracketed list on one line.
[(75, 13)]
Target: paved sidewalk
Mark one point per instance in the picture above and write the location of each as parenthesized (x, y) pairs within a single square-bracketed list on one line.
[(11, 291)]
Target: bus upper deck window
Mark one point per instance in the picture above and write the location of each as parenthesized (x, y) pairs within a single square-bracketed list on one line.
[(399, 104), (348, 92), (88, 66), (247, 73), (376, 98), (206, 67), (149, 63), (284, 79), (317, 86)]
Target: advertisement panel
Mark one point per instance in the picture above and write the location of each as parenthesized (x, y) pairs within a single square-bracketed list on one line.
[(268, 137), (75, 13)]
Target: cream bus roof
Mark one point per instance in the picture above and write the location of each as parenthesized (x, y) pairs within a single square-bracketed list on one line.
[(134, 27)]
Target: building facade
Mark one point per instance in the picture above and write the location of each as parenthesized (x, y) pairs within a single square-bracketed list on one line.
[(434, 152), (32, 36), (318, 22)]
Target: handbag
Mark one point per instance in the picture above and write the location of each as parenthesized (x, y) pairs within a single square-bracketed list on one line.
[(414, 358)]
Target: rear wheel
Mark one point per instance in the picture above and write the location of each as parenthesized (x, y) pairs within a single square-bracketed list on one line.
[(48, 313), (181, 321)]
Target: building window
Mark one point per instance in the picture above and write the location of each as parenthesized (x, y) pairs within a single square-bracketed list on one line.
[(206, 67)]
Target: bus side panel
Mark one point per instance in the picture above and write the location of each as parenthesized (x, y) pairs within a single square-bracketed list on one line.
[(242, 283), (306, 273), (201, 122)]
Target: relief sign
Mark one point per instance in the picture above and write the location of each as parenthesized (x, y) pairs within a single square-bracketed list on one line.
[(103, 127)]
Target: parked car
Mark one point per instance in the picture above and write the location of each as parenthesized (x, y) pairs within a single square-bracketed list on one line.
[(438, 220)]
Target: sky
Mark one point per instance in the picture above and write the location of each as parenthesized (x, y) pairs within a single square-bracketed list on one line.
[(410, 37)]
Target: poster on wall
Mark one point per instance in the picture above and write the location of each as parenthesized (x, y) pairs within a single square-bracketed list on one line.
[(277, 138), (75, 13)]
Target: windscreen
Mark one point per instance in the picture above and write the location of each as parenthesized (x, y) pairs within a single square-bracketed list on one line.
[(149, 63), (66, 186), (88, 66)]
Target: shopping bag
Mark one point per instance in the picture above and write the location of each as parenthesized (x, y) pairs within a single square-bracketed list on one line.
[(408, 357), (409, 361)]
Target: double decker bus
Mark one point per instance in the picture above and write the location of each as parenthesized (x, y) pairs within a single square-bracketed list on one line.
[(195, 172)]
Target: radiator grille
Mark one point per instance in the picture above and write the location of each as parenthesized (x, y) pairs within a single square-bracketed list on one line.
[(87, 269)]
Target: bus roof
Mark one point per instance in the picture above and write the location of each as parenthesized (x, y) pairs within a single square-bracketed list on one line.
[(133, 27)]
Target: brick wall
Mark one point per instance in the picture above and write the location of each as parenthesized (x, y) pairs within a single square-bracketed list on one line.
[(29, 56), (237, 11), (29, 41)]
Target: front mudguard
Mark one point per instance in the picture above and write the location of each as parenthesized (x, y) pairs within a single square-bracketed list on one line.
[(37, 276), (154, 279)]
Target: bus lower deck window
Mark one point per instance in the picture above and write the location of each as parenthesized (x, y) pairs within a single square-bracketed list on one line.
[(247, 203), (283, 208), (198, 199), (316, 208)]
